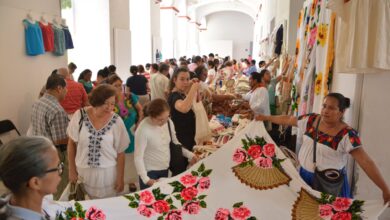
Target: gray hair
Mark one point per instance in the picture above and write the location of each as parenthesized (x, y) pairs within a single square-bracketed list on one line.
[(21, 159)]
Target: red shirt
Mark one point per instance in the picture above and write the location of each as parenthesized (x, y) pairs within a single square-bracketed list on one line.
[(48, 36), (75, 97)]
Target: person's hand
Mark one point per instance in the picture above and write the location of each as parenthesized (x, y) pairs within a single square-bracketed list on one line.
[(151, 182), (73, 175), (261, 118), (119, 185), (195, 85), (386, 197), (193, 160)]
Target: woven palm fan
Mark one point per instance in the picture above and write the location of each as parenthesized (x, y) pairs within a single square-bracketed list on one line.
[(306, 207), (260, 178)]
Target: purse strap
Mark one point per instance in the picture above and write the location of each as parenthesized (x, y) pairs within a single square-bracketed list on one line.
[(169, 128), (315, 143)]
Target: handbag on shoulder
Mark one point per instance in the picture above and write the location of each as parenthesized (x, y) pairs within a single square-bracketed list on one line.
[(178, 162), (329, 181)]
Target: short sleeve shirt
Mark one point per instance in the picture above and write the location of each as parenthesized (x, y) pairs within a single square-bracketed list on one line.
[(332, 151), (184, 122), (97, 147), (137, 84)]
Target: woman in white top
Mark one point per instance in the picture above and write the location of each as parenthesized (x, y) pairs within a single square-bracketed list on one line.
[(258, 96), (335, 140), (97, 141), (152, 140)]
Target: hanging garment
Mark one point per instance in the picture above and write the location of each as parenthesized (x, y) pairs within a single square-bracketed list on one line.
[(68, 38), (59, 41), (33, 38), (279, 40), (363, 35), (48, 36)]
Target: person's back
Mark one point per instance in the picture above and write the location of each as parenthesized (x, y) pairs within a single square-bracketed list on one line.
[(75, 98), (137, 84), (159, 83)]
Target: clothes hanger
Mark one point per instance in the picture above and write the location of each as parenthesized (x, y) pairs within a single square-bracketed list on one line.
[(30, 17), (63, 22), (43, 19)]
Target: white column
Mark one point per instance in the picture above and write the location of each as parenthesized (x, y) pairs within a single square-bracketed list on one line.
[(167, 23)]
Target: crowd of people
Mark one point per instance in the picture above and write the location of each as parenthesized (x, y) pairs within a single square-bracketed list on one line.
[(111, 134)]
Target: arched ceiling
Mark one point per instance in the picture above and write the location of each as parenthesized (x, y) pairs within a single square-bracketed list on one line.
[(202, 8)]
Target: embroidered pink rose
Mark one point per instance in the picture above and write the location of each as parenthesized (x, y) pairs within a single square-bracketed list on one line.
[(188, 180), (189, 193), (263, 162), (204, 184), (174, 215), (191, 208), (95, 214), (342, 216), (254, 151), (326, 211), (241, 213), (341, 204), (145, 211), (239, 156), (269, 150), (146, 197), (161, 206), (222, 214), (313, 35)]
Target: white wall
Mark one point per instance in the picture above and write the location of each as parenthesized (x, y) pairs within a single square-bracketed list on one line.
[(22, 76), (233, 26), (119, 18)]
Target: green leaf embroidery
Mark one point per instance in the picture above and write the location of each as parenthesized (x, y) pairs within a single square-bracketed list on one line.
[(238, 205), (207, 172), (201, 168), (194, 173), (131, 198), (203, 204), (136, 196), (170, 201), (202, 197), (133, 205)]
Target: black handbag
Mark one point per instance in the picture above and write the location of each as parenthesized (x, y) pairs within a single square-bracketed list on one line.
[(329, 181), (178, 162)]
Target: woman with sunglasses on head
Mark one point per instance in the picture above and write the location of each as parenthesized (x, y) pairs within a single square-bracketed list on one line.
[(152, 141), (334, 141), (30, 169), (97, 142)]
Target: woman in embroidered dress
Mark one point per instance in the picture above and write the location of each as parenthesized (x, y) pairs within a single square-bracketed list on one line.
[(131, 112), (97, 143), (30, 169), (335, 140)]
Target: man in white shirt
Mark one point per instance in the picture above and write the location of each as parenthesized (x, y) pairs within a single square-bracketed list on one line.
[(159, 83)]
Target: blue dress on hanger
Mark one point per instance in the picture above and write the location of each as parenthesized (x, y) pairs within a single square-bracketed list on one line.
[(33, 38)]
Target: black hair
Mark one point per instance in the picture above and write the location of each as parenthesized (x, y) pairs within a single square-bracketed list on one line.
[(344, 102), (54, 81), (141, 68), (72, 66), (102, 73), (199, 71), (258, 77), (262, 62), (147, 65), (253, 62), (112, 68), (197, 59), (133, 70), (211, 63), (154, 66), (82, 74), (211, 55)]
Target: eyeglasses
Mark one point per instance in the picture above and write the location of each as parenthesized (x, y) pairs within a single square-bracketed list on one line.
[(59, 169)]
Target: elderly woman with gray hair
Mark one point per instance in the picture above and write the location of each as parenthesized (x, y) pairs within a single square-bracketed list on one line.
[(30, 169)]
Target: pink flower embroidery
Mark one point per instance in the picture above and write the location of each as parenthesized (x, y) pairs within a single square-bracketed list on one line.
[(239, 156), (174, 215), (189, 193), (204, 184), (313, 35), (146, 197), (241, 213), (191, 208), (341, 204), (269, 150), (342, 216), (222, 214), (263, 162), (326, 211), (95, 214), (188, 180), (145, 211), (161, 206), (254, 151)]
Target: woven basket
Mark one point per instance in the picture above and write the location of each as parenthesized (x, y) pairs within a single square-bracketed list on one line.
[(306, 207), (260, 178)]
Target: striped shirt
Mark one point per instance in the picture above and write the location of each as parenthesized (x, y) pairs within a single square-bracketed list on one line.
[(49, 119)]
